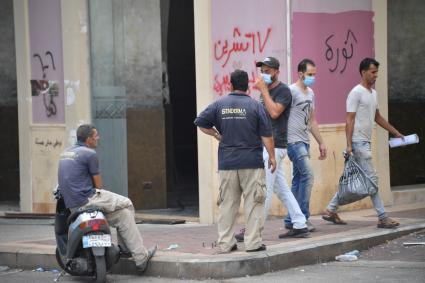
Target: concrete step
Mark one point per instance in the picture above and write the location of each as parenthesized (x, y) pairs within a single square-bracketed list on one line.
[(408, 194), (238, 264)]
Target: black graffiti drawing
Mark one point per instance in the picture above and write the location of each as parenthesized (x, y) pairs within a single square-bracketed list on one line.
[(329, 53), (52, 89), (49, 105), (48, 54)]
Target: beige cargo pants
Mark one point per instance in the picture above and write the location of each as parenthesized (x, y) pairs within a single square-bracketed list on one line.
[(119, 212), (251, 184)]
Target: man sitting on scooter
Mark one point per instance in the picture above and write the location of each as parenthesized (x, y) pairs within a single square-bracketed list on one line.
[(80, 184)]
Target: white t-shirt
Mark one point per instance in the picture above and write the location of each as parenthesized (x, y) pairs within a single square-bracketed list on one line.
[(299, 116), (364, 103)]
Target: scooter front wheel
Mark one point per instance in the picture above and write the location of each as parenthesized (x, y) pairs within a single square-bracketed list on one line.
[(100, 274)]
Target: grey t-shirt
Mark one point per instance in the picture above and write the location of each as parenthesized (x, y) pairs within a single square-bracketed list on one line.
[(364, 103), (280, 94), (299, 117), (77, 165)]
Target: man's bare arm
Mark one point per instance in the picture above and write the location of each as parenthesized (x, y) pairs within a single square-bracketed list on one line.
[(387, 126), (314, 127), (269, 145), (97, 181), (211, 132), (349, 129), (273, 108)]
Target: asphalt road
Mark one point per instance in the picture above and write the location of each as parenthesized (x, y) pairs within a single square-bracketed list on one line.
[(390, 262)]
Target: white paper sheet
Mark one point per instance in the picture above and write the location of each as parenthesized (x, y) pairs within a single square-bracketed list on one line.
[(410, 139)]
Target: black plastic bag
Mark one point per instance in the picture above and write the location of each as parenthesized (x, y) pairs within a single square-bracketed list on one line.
[(354, 184)]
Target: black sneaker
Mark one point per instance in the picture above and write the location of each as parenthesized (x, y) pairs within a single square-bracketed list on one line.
[(241, 236), (295, 233), (288, 226), (310, 226)]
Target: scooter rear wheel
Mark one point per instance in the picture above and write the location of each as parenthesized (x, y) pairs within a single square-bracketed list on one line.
[(100, 275)]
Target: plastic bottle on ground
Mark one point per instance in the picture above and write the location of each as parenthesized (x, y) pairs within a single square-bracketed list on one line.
[(353, 252), (346, 257)]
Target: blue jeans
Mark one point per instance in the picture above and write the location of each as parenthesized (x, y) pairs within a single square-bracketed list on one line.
[(302, 177), (362, 154)]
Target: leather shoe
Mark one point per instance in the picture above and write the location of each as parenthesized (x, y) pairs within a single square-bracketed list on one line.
[(232, 249), (124, 253), (241, 236), (260, 248), (151, 252)]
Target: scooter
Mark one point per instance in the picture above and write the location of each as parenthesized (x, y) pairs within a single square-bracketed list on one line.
[(83, 238)]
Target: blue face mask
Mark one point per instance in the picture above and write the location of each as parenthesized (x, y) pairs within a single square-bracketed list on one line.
[(309, 81), (267, 78)]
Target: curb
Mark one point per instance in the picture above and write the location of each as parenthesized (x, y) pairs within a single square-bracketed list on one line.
[(190, 266)]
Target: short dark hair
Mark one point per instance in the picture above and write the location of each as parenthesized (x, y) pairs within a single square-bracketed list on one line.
[(84, 132), (365, 64), (302, 66), (239, 80)]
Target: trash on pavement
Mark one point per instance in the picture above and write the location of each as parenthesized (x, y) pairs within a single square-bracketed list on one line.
[(41, 269), (413, 243), (348, 256), (353, 252), (172, 247)]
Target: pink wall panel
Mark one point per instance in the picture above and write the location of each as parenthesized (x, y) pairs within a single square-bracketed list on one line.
[(336, 43), (244, 32), (48, 105)]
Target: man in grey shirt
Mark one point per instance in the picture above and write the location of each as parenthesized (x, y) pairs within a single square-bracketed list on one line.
[(80, 185), (302, 121), (362, 112)]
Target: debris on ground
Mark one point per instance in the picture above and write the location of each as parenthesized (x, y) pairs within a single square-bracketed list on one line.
[(348, 256), (172, 247)]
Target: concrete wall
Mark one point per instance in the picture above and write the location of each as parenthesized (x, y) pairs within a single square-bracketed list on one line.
[(406, 39), (38, 156), (406, 91), (326, 172), (126, 52), (9, 140)]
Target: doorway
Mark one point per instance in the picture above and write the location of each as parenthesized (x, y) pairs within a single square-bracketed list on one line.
[(181, 134), (9, 139), (406, 102)]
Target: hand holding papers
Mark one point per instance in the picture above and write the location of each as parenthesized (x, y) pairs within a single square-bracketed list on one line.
[(410, 139)]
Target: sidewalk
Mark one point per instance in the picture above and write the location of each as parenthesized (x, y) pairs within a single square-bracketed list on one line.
[(31, 244)]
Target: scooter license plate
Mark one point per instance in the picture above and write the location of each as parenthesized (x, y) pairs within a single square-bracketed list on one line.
[(96, 241)]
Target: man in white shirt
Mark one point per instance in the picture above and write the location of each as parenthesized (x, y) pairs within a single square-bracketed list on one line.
[(362, 112)]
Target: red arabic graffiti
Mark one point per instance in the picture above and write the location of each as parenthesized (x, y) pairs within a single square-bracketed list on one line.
[(248, 42), (222, 83)]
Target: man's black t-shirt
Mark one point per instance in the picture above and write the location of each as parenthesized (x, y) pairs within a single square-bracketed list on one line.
[(241, 121), (281, 94)]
